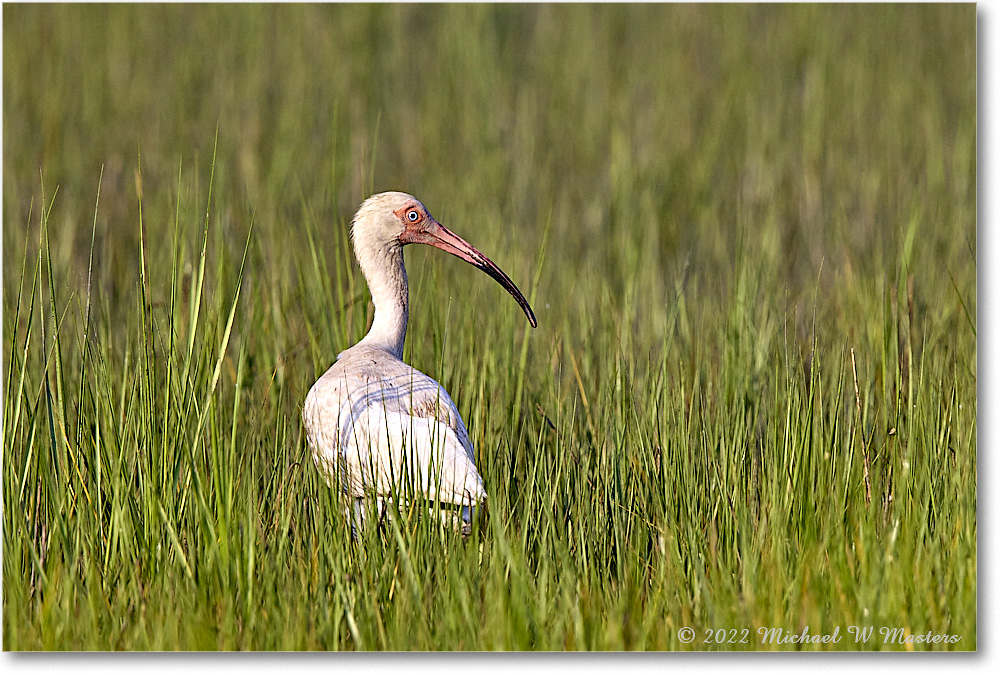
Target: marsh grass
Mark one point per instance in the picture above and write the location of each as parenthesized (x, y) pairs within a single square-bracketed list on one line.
[(749, 235)]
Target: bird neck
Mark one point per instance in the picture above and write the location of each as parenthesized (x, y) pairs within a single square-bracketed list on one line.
[(386, 276)]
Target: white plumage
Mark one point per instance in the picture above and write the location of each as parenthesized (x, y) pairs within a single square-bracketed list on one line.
[(377, 427)]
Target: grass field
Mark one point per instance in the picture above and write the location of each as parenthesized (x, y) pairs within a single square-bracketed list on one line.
[(749, 236)]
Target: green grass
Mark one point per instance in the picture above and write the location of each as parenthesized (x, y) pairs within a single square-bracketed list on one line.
[(749, 235)]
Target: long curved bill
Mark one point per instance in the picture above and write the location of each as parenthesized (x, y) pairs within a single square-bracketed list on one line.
[(441, 237)]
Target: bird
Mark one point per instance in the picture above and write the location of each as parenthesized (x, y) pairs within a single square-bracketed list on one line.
[(377, 427)]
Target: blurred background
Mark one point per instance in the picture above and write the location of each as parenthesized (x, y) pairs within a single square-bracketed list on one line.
[(647, 136)]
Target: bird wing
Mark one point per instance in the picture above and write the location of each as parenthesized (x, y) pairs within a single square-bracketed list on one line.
[(390, 427)]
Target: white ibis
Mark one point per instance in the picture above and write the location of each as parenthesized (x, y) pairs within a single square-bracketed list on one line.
[(375, 425)]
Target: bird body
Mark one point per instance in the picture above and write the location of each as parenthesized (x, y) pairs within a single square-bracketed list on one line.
[(383, 426), (377, 427)]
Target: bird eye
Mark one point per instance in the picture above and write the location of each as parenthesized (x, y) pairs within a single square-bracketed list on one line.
[(413, 216)]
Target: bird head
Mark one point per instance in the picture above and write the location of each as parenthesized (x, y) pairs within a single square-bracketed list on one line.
[(389, 220)]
